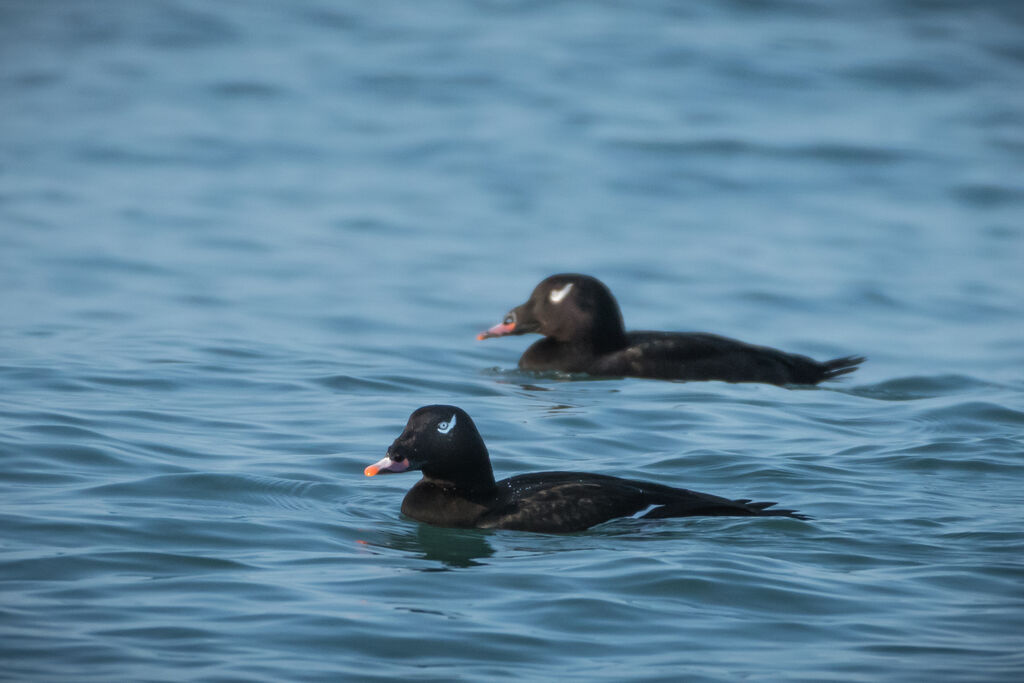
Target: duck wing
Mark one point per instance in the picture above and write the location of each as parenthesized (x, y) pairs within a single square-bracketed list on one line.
[(562, 502)]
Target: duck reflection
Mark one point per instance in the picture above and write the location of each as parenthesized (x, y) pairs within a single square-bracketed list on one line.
[(453, 548)]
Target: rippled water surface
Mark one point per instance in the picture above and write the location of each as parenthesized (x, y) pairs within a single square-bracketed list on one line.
[(241, 242)]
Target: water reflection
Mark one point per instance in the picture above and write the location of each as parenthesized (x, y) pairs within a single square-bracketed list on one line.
[(453, 548)]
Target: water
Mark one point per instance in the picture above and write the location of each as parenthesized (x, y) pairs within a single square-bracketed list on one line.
[(242, 242)]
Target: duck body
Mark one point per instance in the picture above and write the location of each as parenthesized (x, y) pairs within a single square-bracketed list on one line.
[(458, 487), (584, 333), (563, 502), (692, 356)]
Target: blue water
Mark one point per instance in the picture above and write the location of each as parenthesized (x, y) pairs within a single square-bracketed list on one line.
[(241, 242)]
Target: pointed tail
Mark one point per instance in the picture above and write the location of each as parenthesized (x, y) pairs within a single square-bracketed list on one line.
[(840, 366), (763, 511)]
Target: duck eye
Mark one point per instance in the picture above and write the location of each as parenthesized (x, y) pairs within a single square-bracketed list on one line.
[(510, 319), (447, 426), (397, 458)]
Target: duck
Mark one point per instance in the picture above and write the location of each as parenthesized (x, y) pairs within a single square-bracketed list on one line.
[(584, 332), (458, 489)]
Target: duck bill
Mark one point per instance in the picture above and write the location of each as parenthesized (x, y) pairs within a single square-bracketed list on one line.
[(499, 330), (386, 466)]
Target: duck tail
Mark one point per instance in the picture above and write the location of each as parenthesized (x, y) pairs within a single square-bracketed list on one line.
[(761, 509), (840, 366)]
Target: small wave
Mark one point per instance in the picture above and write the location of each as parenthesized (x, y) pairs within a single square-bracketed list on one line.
[(988, 195), (910, 76), (919, 387), (217, 488), (149, 383), (840, 153), (246, 90), (181, 28), (235, 352), (974, 417), (62, 430), (75, 566), (353, 384)]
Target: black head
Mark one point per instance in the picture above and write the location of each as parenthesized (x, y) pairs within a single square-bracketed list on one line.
[(570, 308), (444, 444)]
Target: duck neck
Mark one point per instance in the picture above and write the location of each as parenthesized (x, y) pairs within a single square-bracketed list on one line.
[(472, 477), (609, 338)]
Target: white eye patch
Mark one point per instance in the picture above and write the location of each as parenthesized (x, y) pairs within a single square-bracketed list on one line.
[(448, 426), (557, 295)]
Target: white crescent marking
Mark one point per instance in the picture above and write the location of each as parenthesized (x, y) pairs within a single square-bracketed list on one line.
[(649, 508), (448, 426), (558, 294)]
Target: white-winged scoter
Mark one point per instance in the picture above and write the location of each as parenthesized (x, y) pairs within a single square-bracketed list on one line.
[(458, 487), (583, 332)]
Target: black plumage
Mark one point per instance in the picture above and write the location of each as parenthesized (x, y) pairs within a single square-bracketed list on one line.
[(584, 332), (458, 487)]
